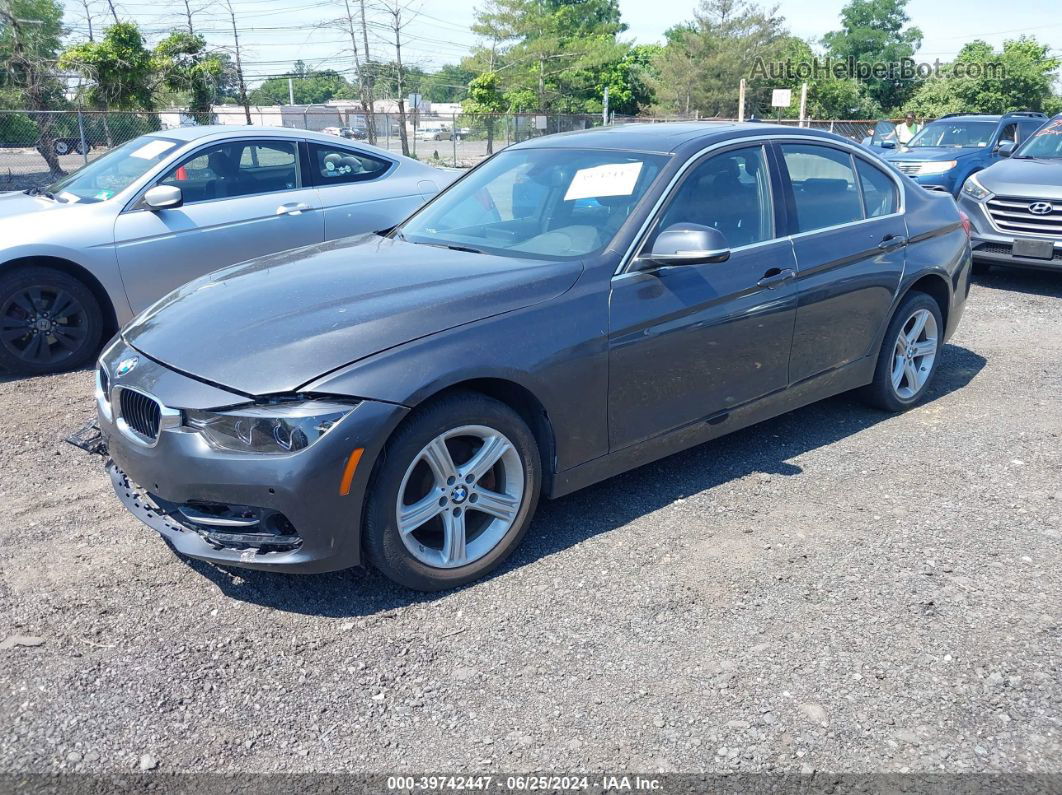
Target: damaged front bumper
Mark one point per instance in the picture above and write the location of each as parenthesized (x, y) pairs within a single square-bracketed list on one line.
[(292, 512)]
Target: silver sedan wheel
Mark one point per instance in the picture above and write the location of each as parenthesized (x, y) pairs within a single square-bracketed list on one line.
[(460, 496), (914, 354)]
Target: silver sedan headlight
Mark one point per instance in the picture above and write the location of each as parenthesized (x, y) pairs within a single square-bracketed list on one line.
[(275, 429), (974, 189)]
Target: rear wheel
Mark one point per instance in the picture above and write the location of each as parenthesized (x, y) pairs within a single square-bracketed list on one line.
[(453, 494), (909, 355), (62, 147), (49, 321)]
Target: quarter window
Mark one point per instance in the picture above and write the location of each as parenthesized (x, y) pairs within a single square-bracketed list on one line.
[(879, 191), (238, 168), (334, 165), (729, 191), (824, 186)]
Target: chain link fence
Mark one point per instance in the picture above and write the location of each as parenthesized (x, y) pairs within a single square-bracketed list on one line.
[(38, 147)]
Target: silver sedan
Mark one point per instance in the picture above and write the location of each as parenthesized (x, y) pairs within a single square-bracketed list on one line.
[(80, 258)]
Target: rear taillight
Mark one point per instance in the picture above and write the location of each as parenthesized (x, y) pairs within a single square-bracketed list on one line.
[(966, 227)]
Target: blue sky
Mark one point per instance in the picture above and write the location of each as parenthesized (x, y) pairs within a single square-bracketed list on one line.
[(276, 32)]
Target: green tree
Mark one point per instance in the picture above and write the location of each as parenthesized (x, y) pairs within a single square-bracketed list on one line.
[(309, 87), (628, 80), (449, 84), (829, 96), (485, 98), (119, 67), (874, 32), (30, 33), (982, 80), (704, 60), (188, 66)]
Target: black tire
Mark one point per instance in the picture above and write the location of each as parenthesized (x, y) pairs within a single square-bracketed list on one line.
[(382, 541), (61, 147), (82, 148), (881, 392), (981, 268), (69, 340)]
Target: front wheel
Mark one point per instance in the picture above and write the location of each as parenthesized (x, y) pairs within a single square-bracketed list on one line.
[(909, 355), (453, 494), (49, 321)]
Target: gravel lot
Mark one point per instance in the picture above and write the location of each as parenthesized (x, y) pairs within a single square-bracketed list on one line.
[(835, 590)]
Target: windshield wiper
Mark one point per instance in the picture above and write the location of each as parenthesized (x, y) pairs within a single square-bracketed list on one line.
[(452, 247), (35, 191)]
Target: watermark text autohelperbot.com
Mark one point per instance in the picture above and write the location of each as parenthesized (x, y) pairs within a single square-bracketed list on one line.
[(843, 68)]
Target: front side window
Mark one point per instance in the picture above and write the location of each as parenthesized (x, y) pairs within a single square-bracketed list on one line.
[(234, 169), (334, 165), (538, 203), (115, 171), (1009, 134), (879, 191), (824, 186), (954, 134), (730, 192)]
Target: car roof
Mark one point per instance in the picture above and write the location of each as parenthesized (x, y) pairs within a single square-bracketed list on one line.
[(220, 131), (666, 137)]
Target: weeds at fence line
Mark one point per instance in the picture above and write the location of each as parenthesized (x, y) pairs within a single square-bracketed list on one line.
[(459, 140)]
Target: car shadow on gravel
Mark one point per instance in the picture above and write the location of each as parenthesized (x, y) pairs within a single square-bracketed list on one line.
[(560, 524), (1020, 280)]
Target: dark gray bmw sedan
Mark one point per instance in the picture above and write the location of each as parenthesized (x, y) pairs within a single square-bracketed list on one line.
[(576, 306)]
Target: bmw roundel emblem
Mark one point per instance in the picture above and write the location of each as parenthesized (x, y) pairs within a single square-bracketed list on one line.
[(1041, 208), (126, 366)]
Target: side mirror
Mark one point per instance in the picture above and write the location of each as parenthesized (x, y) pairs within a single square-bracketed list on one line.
[(163, 197), (1005, 148), (888, 144), (689, 244)]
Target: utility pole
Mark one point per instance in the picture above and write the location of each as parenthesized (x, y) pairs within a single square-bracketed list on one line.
[(803, 103), (395, 12), (239, 65), (369, 83), (291, 91), (359, 67), (741, 100), (604, 108), (188, 16), (110, 4), (88, 19)]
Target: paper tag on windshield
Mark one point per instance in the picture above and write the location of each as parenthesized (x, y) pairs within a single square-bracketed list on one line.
[(150, 151), (614, 179)]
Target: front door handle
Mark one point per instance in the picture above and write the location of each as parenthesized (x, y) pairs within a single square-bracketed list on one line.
[(892, 242), (776, 276), (294, 208)]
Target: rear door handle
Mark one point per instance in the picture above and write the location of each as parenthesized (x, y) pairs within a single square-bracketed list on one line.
[(294, 208), (892, 242), (776, 276)]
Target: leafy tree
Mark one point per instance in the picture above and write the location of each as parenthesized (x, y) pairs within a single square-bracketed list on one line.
[(829, 96), (119, 67), (188, 66), (704, 61), (30, 32), (309, 87), (449, 84), (874, 32), (981, 80), (486, 98), (628, 80)]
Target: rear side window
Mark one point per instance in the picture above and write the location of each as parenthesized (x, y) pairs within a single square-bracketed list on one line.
[(879, 191), (334, 165), (824, 186)]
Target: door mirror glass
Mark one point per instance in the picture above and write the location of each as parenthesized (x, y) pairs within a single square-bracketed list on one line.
[(1005, 148), (887, 144), (163, 197), (689, 244)]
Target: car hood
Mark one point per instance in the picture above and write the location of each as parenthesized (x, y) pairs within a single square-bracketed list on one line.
[(272, 325), (14, 204), (1036, 179), (931, 153)]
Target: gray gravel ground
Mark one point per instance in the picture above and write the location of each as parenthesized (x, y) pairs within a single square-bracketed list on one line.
[(833, 590)]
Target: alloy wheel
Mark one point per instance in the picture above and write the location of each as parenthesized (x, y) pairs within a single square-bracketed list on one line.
[(914, 354), (43, 325), (460, 496)]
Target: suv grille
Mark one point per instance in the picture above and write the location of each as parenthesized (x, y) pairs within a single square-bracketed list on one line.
[(141, 413), (908, 166), (1012, 214)]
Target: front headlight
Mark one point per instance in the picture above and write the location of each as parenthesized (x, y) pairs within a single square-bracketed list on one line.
[(936, 167), (275, 429), (974, 189)]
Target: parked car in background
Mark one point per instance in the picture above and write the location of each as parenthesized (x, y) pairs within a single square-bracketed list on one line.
[(80, 258), (1016, 205), (946, 151), (67, 145), (434, 131), (353, 133), (574, 307)]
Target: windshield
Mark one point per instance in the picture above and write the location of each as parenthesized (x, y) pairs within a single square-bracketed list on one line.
[(957, 134), (115, 171), (538, 203), (1045, 143)]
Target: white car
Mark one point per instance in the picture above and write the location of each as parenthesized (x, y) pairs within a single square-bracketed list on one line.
[(79, 258)]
